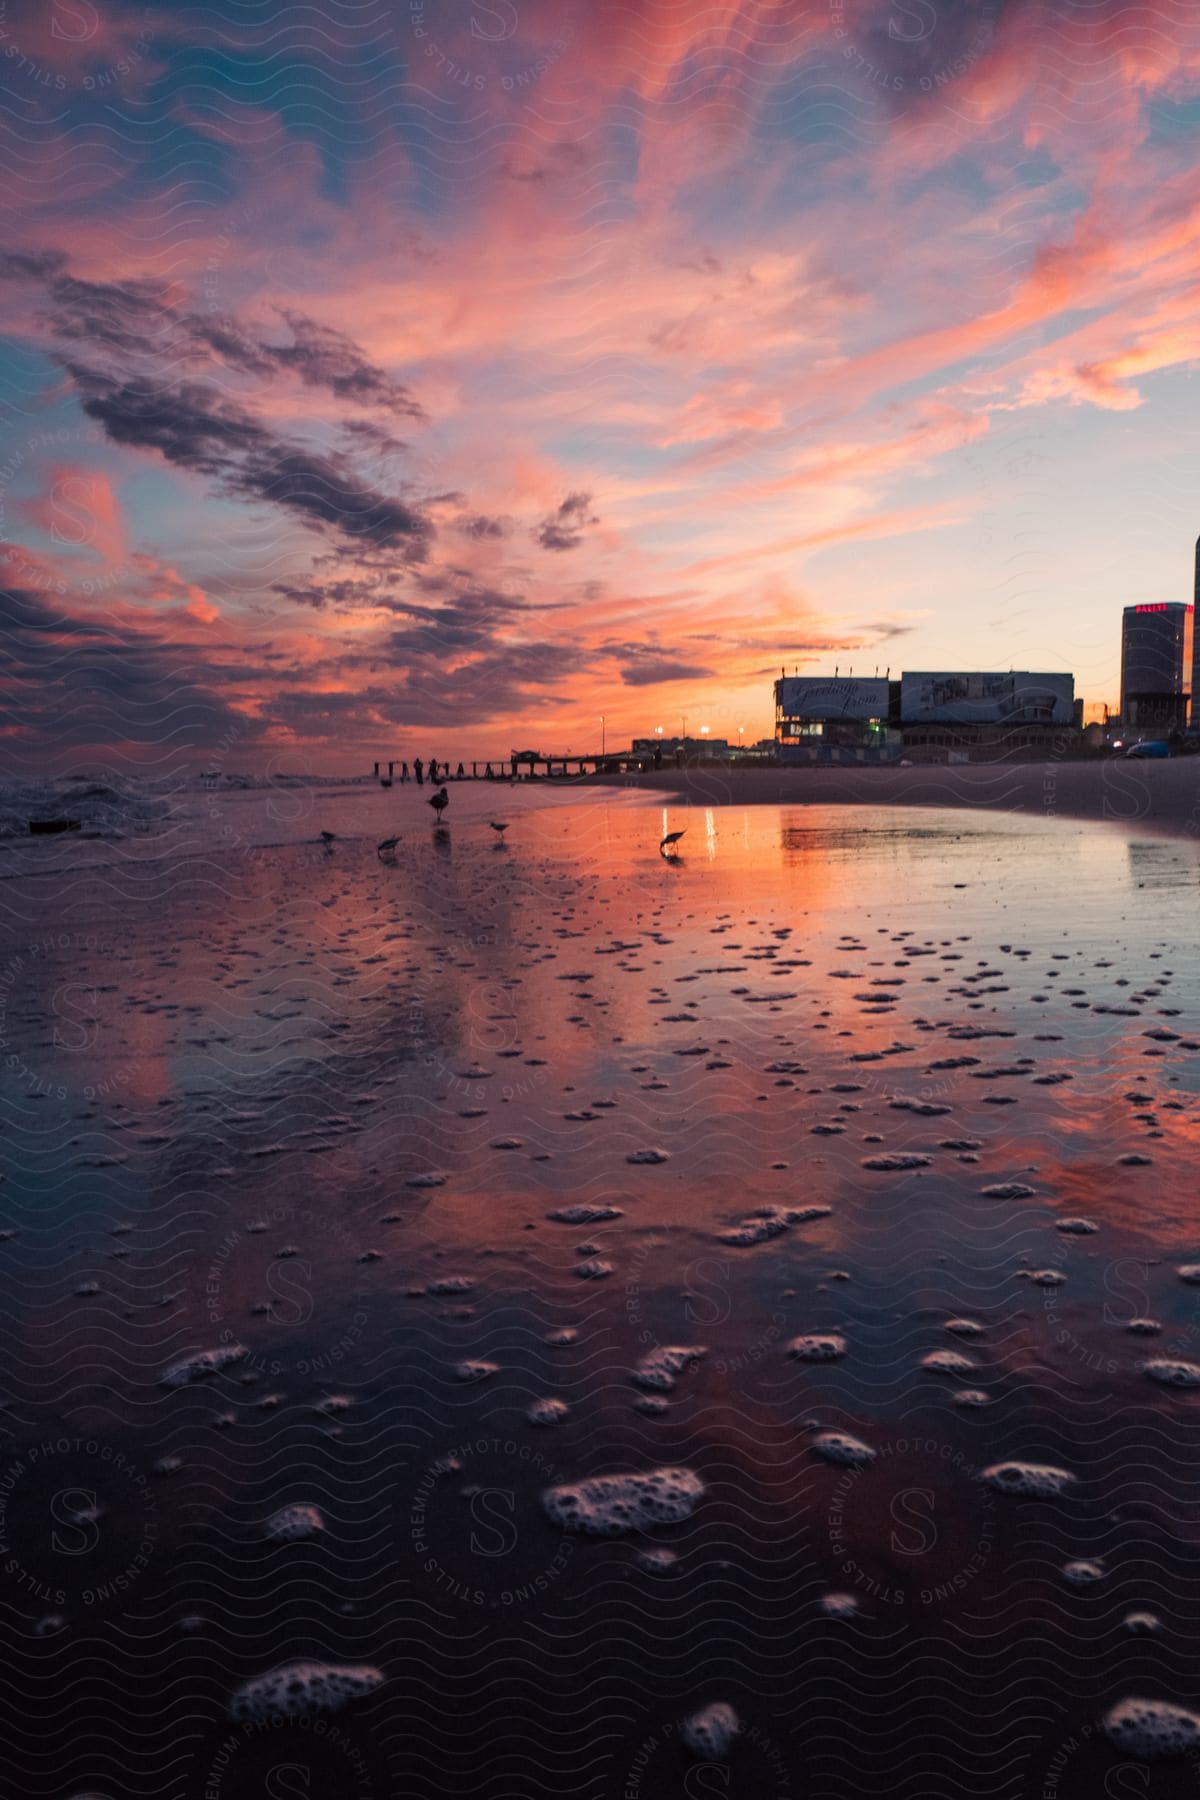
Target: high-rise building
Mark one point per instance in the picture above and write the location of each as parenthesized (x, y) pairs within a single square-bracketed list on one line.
[(1196, 642), (1156, 664)]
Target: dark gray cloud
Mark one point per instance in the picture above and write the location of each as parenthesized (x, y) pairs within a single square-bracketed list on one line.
[(462, 656), (332, 594), (645, 664), (143, 317), (30, 265), (325, 358), (69, 683), (480, 525), (132, 345), (194, 427), (425, 682), (373, 437), (468, 622), (563, 529), (318, 355), (887, 628), (133, 316)]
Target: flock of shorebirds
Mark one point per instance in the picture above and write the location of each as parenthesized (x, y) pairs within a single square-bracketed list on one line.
[(441, 800)]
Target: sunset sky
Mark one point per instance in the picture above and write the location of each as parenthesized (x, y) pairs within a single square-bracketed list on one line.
[(386, 377)]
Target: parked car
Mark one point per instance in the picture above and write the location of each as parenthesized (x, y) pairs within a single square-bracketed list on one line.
[(1149, 747)]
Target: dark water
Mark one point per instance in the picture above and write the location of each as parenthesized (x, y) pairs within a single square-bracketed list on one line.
[(223, 1074)]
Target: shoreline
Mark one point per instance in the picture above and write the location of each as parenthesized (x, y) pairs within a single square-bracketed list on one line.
[(1160, 796)]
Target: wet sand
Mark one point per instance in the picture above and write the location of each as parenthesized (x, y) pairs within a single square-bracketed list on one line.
[(1164, 796), (365, 1209)]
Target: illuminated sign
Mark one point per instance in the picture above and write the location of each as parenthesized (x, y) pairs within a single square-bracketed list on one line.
[(1162, 607)]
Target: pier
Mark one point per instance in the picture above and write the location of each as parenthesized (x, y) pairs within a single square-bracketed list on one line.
[(530, 764)]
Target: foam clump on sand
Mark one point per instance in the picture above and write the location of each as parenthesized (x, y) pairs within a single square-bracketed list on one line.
[(475, 1370), (899, 1160), (547, 1412), (818, 1346), (1173, 1373), (583, 1215), (1008, 1190), (838, 1606), (291, 1524), (759, 1228), (1189, 1272), (647, 1157), (657, 1371), (199, 1365), (769, 1222), (839, 1447), (656, 1562), (1149, 1729), (1083, 1573), (295, 1689), (1038, 1481), (710, 1732), (948, 1362), (608, 1505)]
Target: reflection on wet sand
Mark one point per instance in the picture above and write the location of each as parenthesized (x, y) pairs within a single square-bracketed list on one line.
[(820, 1187)]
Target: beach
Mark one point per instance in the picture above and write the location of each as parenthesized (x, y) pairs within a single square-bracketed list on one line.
[(1162, 796), (554, 1289)]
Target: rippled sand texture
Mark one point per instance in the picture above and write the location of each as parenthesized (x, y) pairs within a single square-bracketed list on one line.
[(517, 1316)]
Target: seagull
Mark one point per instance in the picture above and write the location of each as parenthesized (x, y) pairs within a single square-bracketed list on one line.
[(388, 846), (500, 829), (671, 838), (328, 838), (439, 801)]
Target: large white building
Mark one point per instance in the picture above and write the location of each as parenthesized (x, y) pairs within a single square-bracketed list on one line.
[(831, 718)]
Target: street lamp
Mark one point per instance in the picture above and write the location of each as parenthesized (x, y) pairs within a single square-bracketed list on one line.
[(602, 734)]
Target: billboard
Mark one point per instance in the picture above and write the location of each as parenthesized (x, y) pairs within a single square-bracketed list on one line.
[(831, 697), (1014, 698)]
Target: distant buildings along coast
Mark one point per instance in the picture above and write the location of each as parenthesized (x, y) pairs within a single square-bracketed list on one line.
[(821, 718), (1157, 662)]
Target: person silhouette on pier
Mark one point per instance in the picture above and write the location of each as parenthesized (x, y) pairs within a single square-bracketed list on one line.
[(419, 771), (403, 773)]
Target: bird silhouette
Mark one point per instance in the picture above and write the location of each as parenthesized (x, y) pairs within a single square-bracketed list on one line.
[(328, 838), (439, 801), (387, 847), (500, 829), (670, 840)]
